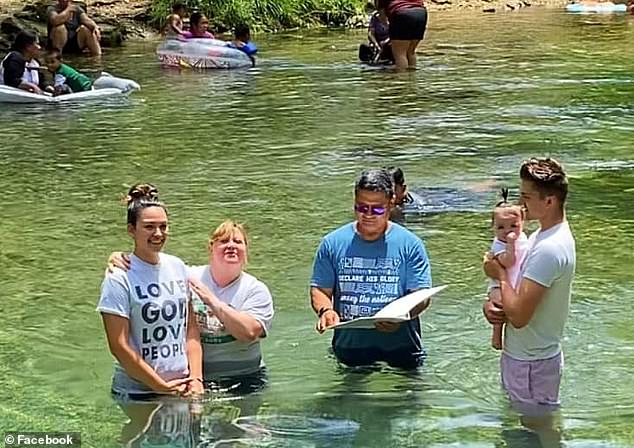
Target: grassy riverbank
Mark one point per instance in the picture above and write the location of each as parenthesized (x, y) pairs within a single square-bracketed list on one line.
[(270, 14)]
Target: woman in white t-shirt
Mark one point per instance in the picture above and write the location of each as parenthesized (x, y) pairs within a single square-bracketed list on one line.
[(233, 309), (146, 313)]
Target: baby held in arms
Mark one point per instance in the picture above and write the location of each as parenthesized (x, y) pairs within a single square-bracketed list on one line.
[(509, 246)]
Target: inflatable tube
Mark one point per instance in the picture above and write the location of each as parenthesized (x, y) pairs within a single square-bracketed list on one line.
[(19, 96), (107, 81), (103, 87), (606, 7), (201, 54)]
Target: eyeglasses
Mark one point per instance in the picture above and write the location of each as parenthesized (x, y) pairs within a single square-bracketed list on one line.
[(369, 209)]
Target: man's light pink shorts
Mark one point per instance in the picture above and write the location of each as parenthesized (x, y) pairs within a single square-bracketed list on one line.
[(532, 384)]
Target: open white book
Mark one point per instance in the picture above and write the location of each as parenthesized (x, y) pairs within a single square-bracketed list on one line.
[(397, 311)]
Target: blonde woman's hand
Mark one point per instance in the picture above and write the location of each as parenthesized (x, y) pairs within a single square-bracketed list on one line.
[(118, 260), (203, 292)]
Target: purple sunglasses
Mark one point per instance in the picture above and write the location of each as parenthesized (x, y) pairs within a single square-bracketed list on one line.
[(369, 209)]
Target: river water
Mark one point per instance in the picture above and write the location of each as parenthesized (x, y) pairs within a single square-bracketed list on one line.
[(278, 147)]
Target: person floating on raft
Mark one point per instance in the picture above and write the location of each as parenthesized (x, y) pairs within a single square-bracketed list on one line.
[(198, 27), (66, 78), (174, 28), (19, 68)]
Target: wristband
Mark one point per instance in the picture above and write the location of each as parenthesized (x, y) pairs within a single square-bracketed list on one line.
[(323, 311), (199, 379)]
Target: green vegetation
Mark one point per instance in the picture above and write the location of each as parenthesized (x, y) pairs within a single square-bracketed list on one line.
[(268, 14)]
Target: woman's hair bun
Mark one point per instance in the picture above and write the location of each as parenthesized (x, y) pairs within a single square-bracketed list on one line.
[(146, 192)]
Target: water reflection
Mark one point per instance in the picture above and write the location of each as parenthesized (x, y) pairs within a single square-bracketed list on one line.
[(201, 422)]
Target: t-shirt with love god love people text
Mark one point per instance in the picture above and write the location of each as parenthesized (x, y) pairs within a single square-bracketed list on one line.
[(153, 297)]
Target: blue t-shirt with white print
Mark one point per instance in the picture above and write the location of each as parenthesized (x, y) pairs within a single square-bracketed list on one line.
[(365, 276)]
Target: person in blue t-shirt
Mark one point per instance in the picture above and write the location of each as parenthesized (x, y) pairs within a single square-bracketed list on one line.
[(361, 267), (242, 41)]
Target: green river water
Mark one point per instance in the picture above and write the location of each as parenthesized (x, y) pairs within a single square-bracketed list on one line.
[(279, 147)]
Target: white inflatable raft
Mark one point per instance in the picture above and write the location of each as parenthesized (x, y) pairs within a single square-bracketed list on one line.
[(605, 7), (103, 87), (201, 54)]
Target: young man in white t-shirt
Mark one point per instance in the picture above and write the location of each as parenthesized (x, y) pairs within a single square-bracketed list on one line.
[(536, 312)]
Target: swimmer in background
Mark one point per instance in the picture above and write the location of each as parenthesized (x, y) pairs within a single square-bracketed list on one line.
[(401, 195), (173, 27), (242, 41)]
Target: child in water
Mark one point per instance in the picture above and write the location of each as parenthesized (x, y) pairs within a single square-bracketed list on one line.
[(67, 79), (242, 41), (510, 247), (379, 36), (378, 47), (174, 25), (401, 195)]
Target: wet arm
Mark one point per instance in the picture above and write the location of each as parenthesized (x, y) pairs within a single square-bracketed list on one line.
[(239, 324), (88, 22), (59, 18), (117, 332), (372, 37), (320, 298), (520, 306), (174, 24), (194, 349)]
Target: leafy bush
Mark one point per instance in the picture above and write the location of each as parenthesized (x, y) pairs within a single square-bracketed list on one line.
[(267, 14)]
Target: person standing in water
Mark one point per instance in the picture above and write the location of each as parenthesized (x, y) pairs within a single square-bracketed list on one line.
[(408, 21), (537, 309), (234, 311), (361, 267), (148, 320)]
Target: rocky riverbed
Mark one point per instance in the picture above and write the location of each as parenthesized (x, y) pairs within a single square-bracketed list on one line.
[(118, 19)]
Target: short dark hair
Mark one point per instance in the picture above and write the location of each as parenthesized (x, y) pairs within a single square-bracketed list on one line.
[(376, 180), (23, 39), (398, 177), (196, 18), (178, 6), (53, 53), (242, 30), (548, 176)]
